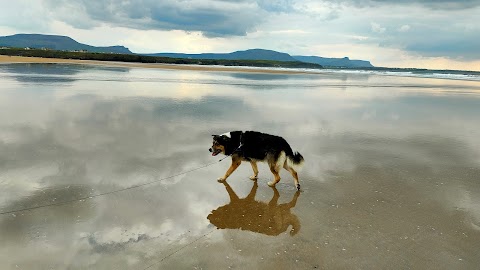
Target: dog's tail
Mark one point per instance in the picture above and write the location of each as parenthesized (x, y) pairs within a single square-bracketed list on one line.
[(295, 161)]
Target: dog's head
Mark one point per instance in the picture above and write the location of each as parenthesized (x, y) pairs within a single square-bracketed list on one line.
[(219, 143)]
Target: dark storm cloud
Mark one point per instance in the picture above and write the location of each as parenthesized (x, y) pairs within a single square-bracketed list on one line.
[(211, 17), (462, 48)]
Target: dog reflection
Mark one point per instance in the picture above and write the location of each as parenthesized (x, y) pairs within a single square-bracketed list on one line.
[(251, 215)]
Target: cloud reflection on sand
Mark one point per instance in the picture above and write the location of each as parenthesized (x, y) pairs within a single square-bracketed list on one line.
[(106, 130)]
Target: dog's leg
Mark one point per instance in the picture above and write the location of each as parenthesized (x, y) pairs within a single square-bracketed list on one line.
[(233, 196), (294, 200), (274, 201), (255, 170), (235, 163), (276, 175), (294, 174), (253, 192)]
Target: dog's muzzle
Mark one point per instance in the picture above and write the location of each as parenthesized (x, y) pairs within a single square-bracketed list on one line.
[(214, 152)]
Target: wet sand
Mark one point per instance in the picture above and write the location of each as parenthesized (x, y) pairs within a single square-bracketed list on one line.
[(390, 180), (19, 59)]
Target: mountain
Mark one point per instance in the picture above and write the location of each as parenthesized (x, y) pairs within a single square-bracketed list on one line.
[(260, 54), (252, 54), (64, 43), (334, 62), (54, 42)]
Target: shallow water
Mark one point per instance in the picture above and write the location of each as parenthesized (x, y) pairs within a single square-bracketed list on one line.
[(391, 179)]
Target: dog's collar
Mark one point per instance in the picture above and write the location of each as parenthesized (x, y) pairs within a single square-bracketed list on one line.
[(236, 150)]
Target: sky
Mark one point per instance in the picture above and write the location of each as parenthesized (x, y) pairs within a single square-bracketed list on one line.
[(434, 34)]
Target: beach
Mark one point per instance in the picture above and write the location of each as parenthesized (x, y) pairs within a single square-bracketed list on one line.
[(106, 166), (19, 59)]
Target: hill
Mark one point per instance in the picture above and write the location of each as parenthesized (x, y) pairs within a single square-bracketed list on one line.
[(64, 43), (252, 54), (55, 42), (138, 58), (260, 54), (334, 62)]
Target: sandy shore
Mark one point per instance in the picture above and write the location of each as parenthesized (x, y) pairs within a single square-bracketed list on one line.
[(388, 183), (5, 59)]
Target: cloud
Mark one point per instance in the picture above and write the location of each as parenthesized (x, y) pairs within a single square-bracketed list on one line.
[(24, 15), (436, 36), (317, 10), (404, 28), (415, 29), (440, 4), (431, 4), (376, 28), (210, 17)]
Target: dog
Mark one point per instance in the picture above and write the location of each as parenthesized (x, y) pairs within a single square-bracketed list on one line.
[(253, 146)]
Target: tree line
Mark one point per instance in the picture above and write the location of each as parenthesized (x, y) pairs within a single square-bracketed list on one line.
[(137, 58)]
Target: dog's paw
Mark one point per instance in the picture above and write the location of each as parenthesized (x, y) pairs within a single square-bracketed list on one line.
[(253, 177), (221, 179), (271, 184)]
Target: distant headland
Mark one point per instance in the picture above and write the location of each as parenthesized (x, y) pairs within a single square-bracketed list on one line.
[(54, 46)]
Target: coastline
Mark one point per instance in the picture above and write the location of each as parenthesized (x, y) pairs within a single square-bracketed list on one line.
[(472, 76), (73, 131), (5, 59)]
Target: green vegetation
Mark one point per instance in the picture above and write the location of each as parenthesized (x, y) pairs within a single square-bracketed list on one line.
[(151, 59), (54, 42)]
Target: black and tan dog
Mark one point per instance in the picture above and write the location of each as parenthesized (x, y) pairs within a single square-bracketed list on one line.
[(254, 146)]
